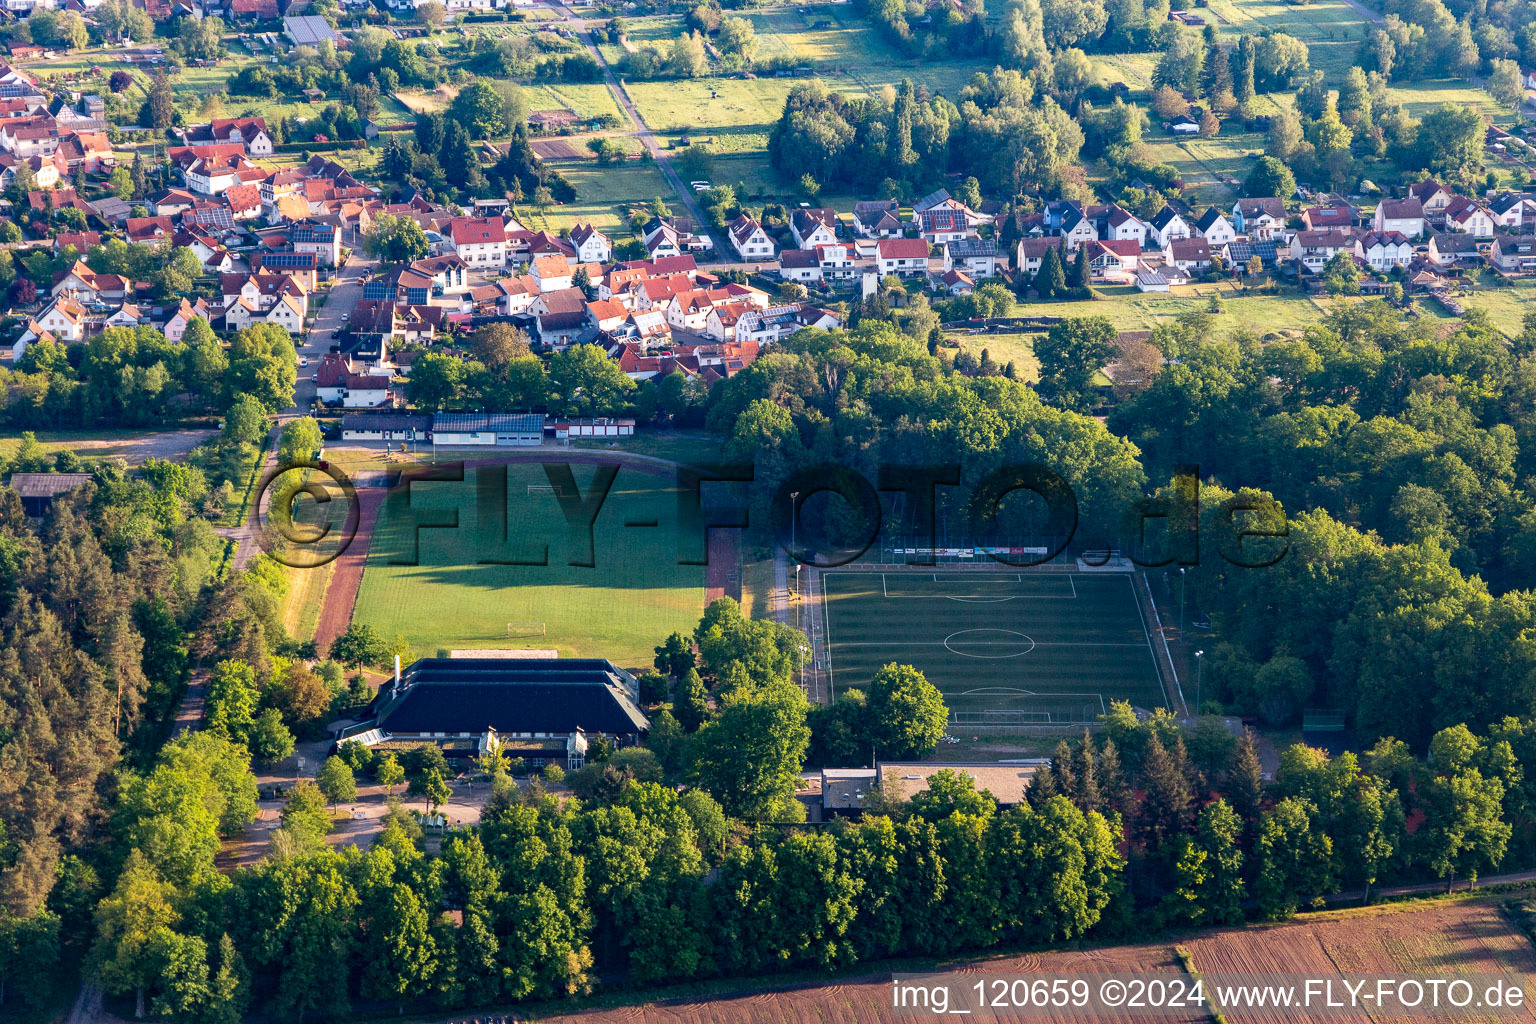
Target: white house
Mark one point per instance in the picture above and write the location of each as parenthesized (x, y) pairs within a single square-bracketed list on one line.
[(749, 239), (1215, 228), (976, 257), (338, 379), (720, 323), (1261, 218), (1120, 225), (1031, 251), (480, 241), (903, 256), (1469, 218), (1168, 226), (1514, 254), (178, 322), (778, 322), (1433, 197), (64, 319), (1077, 229), (1383, 250), (1313, 249), (1191, 255), (1513, 210), (554, 273), (811, 228), (592, 246), (1404, 216), (1114, 259), (287, 312), (802, 266)]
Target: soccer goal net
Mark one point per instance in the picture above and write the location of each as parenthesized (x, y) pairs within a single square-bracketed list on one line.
[(525, 629)]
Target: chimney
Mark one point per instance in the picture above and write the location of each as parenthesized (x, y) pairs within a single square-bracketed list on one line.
[(397, 672)]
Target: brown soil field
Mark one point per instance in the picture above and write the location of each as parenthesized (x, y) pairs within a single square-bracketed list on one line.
[(1442, 940), (1446, 940)]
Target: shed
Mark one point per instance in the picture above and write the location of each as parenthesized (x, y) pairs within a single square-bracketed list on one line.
[(38, 490)]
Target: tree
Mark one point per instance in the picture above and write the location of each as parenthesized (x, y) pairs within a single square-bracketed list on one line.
[(159, 105), (1051, 279), (1295, 859), (229, 707), (1284, 136), (906, 713), (360, 645), (686, 58), (336, 781), (1209, 869), (691, 701), (431, 13), (127, 924), (1505, 83), (1209, 126), (1165, 809), (431, 787), (1270, 177), (1168, 103), (478, 108), (1465, 832), (1341, 274), (587, 382), (498, 344), (1070, 355), (1450, 139), (749, 756), (389, 773), (674, 656), (300, 694), (396, 239), (270, 739), (299, 441)]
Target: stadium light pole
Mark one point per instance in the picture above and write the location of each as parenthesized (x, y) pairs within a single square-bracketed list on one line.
[(1199, 677)]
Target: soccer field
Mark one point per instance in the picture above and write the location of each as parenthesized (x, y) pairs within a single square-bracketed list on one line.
[(629, 601), (1005, 648)]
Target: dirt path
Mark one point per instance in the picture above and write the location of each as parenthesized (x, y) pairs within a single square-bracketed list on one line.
[(190, 714), (722, 578), (347, 576)]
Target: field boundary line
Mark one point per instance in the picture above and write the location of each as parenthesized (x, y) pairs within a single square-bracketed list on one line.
[(1153, 650), (1073, 585), (826, 631)]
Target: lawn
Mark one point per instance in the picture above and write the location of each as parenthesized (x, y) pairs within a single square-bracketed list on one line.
[(585, 99), (1212, 169), (1005, 647), (603, 196), (1505, 306), (1130, 310), (1331, 29), (709, 103), (620, 608), (1016, 348)]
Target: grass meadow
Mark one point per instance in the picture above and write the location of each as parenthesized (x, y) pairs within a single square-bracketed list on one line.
[(619, 609)]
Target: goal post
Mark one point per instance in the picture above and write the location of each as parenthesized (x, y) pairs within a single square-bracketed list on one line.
[(525, 629)]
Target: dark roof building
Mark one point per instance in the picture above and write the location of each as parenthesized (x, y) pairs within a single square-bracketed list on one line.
[(38, 490), (536, 708)]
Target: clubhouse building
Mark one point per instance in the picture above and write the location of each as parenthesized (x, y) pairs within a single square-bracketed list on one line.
[(540, 709)]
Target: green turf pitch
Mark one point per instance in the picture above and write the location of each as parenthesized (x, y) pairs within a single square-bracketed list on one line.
[(620, 609), (1005, 648)]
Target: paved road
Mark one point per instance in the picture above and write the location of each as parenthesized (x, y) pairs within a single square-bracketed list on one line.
[(346, 290)]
